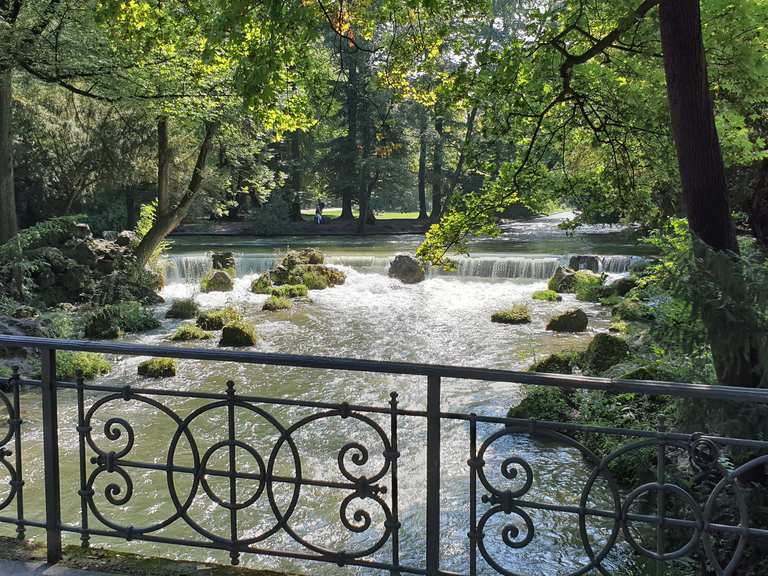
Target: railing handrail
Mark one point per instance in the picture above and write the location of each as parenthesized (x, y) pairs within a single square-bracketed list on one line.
[(649, 387)]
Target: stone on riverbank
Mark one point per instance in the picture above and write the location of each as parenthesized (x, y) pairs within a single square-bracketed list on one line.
[(571, 321), (275, 303), (289, 291), (560, 363), (216, 319), (584, 262), (157, 368), (547, 296), (223, 260), (518, 314), (217, 281), (183, 309), (187, 332), (604, 351), (114, 320), (262, 284), (238, 334), (89, 364), (545, 403), (406, 269)]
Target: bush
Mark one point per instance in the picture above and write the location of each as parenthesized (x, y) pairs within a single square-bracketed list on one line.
[(289, 291), (275, 303), (633, 310), (262, 284), (612, 300), (183, 309), (544, 403), (89, 363), (518, 314), (603, 352), (158, 368), (588, 286), (187, 332), (114, 320), (546, 295), (216, 319), (238, 334), (571, 321), (561, 363), (217, 281)]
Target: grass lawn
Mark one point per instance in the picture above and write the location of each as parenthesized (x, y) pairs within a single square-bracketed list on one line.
[(336, 212)]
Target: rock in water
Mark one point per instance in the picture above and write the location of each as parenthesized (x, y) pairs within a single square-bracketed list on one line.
[(217, 281), (584, 262), (563, 280), (406, 269), (223, 260), (571, 321)]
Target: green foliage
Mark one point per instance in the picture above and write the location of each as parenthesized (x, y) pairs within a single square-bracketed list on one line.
[(157, 368), (147, 218), (89, 364), (587, 286), (183, 309), (289, 291), (216, 319), (546, 295), (604, 351), (275, 303), (561, 363), (262, 284), (314, 280), (518, 314), (187, 332), (238, 334), (612, 300), (53, 232), (544, 403), (633, 310), (114, 320)]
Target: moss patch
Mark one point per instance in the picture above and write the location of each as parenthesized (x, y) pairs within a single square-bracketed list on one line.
[(289, 291), (544, 403), (633, 310), (275, 303), (546, 295), (114, 320), (89, 363), (571, 321), (187, 332), (262, 284), (588, 286), (217, 281), (604, 351), (518, 314), (216, 319), (183, 309), (157, 368), (561, 363), (238, 334)]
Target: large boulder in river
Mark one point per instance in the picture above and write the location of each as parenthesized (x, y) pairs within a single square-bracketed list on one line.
[(217, 281), (406, 269), (604, 351), (223, 260), (563, 280), (584, 262), (571, 321)]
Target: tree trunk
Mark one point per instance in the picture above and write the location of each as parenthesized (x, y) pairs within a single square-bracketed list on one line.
[(350, 182), (8, 224), (463, 153), (702, 175), (758, 216), (166, 223), (163, 167), (437, 171), (365, 185), (423, 142)]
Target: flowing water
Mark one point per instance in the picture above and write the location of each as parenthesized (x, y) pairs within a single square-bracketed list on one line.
[(445, 319)]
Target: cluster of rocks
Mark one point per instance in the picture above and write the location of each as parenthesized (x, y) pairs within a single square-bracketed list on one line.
[(221, 278), (303, 268)]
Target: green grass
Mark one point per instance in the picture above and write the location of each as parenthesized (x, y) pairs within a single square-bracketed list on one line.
[(330, 213)]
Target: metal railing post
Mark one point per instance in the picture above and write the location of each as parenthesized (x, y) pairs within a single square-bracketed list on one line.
[(433, 475), (51, 456)]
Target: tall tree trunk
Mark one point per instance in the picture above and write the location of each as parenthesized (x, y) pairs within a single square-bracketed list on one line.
[(437, 171), (163, 167), (8, 224), (365, 184), (463, 153), (758, 215), (350, 181), (702, 174), (166, 223), (295, 175), (423, 143)]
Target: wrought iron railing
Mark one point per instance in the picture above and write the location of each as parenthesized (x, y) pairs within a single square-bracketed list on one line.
[(508, 508)]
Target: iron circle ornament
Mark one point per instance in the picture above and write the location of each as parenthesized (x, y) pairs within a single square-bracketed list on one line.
[(261, 475), (510, 535)]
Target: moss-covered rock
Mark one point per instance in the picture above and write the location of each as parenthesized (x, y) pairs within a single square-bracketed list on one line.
[(588, 286), (610, 300), (563, 280), (262, 284), (275, 303), (187, 332), (633, 310), (314, 280), (89, 364), (604, 351), (547, 296), (217, 281), (238, 333), (622, 286), (114, 320), (157, 368), (649, 372), (561, 363), (289, 291), (518, 314), (544, 403), (25, 312), (183, 309), (216, 319), (571, 321)]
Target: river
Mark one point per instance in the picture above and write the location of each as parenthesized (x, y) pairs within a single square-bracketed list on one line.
[(445, 319)]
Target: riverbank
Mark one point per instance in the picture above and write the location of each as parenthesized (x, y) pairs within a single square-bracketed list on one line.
[(334, 227)]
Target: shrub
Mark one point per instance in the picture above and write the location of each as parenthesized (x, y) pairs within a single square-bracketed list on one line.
[(238, 334), (547, 295), (289, 291), (187, 332), (183, 309), (89, 363), (157, 368), (262, 284), (518, 314), (275, 303), (571, 321), (561, 363), (603, 352), (114, 320), (588, 286), (618, 326), (217, 281), (216, 319), (633, 310), (544, 403), (611, 300)]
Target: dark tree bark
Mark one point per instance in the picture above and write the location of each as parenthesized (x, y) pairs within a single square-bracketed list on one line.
[(295, 182), (702, 174), (463, 152), (758, 216), (8, 223), (163, 167), (423, 143), (437, 171), (167, 223), (353, 104), (366, 183)]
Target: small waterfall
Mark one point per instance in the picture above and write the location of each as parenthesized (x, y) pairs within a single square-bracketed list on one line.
[(192, 267)]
